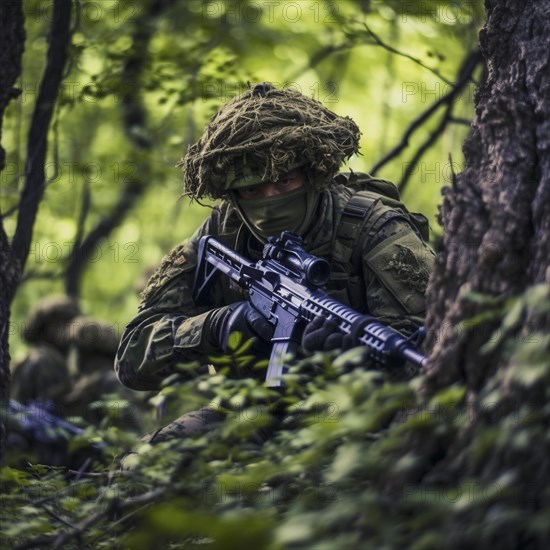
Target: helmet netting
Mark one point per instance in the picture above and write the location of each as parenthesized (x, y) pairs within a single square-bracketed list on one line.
[(270, 130)]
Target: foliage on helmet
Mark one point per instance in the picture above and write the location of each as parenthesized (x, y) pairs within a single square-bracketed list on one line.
[(270, 131)]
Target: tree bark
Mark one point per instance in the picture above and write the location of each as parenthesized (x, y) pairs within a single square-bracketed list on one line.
[(37, 145), (497, 214), (495, 257), (12, 44)]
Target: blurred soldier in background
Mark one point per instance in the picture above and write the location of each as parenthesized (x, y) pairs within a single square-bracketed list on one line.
[(43, 375), (92, 349), (42, 379), (68, 372)]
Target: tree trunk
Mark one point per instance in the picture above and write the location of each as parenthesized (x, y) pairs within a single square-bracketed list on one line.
[(37, 144), (485, 332), (497, 215), (12, 44), (14, 255)]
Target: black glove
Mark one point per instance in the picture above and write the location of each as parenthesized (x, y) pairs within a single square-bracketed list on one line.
[(241, 317), (322, 334)]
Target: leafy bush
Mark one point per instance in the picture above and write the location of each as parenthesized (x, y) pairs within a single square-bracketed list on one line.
[(344, 457)]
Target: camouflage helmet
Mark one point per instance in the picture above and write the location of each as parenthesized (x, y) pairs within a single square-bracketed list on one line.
[(263, 134), (93, 336), (48, 320)]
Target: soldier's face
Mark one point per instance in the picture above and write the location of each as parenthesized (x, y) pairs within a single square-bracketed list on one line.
[(289, 182)]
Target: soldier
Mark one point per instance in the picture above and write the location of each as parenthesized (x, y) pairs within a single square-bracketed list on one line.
[(272, 157), (70, 363), (43, 375), (93, 344), (42, 378)]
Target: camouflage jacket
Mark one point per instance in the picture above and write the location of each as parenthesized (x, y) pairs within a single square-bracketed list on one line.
[(386, 274)]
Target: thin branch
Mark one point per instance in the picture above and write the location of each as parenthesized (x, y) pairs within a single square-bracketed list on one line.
[(55, 129), (445, 120), (56, 164), (320, 56), (59, 539), (467, 68), (58, 518), (121, 521), (460, 120), (83, 214), (329, 50), (378, 41), (17, 206), (135, 125), (83, 475), (388, 82), (37, 144)]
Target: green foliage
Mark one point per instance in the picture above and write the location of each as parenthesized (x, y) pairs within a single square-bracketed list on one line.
[(345, 457), (342, 458)]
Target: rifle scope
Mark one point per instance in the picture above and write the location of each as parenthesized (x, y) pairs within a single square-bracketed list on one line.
[(287, 250)]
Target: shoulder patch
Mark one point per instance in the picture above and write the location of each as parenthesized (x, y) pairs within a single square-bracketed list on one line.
[(409, 269), (403, 264)]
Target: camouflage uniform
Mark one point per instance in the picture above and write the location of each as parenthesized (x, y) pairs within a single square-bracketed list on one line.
[(93, 344), (386, 275), (43, 375), (70, 362)]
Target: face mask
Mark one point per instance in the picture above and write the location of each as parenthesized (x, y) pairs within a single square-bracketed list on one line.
[(291, 211)]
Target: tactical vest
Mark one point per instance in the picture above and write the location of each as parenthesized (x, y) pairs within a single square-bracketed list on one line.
[(367, 192)]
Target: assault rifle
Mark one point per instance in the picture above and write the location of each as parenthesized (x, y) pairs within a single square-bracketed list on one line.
[(44, 426), (284, 286)]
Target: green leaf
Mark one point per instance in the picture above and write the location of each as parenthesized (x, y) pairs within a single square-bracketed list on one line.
[(245, 347), (234, 341)]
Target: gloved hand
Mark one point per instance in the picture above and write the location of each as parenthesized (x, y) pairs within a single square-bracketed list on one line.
[(241, 317), (322, 334)]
